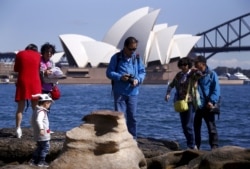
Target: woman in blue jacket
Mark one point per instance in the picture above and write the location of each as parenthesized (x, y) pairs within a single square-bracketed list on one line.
[(127, 72)]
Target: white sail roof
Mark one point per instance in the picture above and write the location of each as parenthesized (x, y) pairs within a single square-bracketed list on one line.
[(156, 42)]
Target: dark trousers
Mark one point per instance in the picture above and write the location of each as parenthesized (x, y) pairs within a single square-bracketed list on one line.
[(209, 119), (187, 123)]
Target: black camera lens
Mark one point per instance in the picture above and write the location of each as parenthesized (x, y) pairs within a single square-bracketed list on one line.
[(131, 79)]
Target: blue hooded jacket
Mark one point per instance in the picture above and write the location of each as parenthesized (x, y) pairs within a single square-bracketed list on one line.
[(118, 66), (209, 83)]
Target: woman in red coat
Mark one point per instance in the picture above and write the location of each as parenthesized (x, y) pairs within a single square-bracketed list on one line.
[(27, 64)]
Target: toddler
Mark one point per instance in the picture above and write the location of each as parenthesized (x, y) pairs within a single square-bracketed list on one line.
[(41, 131)]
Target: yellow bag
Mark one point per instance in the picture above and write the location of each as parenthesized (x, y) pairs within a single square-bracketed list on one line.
[(181, 105)]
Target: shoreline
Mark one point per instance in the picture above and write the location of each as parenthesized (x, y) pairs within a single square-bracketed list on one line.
[(70, 80), (158, 75), (146, 82)]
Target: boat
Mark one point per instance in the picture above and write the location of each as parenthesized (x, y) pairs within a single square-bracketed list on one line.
[(4, 79), (224, 76), (238, 76)]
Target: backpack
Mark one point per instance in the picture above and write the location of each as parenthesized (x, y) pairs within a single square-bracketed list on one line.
[(118, 58)]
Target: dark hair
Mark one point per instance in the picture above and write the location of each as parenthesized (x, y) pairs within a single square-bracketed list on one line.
[(47, 46), (31, 47), (130, 40), (201, 59), (185, 61)]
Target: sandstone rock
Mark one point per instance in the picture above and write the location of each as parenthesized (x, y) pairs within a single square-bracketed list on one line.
[(20, 150), (226, 157), (103, 141), (19, 155), (154, 147)]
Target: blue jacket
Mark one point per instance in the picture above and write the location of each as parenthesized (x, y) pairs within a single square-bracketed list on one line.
[(119, 66), (210, 85)]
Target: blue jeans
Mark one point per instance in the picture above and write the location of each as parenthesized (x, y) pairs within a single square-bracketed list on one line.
[(128, 106), (211, 126), (41, 151), (187, 123)]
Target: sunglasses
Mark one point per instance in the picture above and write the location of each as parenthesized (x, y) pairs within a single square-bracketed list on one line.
[(131, 49), (183, 64)]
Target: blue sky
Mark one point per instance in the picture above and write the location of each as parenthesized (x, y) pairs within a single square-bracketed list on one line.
[(39, 21)]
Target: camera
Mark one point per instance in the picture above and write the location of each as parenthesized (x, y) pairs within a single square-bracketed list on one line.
[(131, 79), (215, 109)]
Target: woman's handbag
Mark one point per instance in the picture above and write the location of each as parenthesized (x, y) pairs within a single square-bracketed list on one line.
[(55, 93), (182, 105)]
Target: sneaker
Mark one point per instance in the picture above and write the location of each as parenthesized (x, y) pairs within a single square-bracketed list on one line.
[(214, 147), (192, 148), (43, 164), (32, 162), (18, 132)]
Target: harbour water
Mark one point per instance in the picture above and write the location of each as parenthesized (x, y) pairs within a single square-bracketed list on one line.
[(156, 118)]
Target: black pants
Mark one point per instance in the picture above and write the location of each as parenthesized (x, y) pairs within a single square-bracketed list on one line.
[(211, 126)]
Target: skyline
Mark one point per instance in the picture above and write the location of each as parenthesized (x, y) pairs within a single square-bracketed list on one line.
[(27, 21)]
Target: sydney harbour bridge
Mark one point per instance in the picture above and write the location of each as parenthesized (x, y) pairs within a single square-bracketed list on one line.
[(229, 36)]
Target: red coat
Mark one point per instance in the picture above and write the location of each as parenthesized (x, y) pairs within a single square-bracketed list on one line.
[(27, 64)]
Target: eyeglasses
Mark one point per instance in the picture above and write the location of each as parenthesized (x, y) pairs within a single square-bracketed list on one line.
[(132, 49)]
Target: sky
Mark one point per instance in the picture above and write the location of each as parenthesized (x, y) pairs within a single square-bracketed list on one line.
[(39, 21)]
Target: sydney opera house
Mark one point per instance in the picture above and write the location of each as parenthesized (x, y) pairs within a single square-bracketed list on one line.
[(87, 58), (156, 42)]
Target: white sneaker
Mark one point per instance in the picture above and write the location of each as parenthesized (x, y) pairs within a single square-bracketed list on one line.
[(18, 132), (194, 148)]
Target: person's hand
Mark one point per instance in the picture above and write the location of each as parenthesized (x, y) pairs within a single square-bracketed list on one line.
[(48, 72), (167, 97), (210, 105), (125, 77), (135, 82), (42, 132)]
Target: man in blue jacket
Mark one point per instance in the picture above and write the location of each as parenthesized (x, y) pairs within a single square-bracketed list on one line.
[(127, 72), (209, 90)]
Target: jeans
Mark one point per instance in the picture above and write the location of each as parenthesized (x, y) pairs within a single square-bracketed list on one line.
[(211, 126), (41, 151), (187, 123), (128, 106)]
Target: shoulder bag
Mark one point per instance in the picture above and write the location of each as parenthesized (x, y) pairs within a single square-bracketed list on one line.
[(182, 105)]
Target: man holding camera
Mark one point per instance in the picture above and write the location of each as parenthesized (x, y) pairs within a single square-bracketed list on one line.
[(127, 72)]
